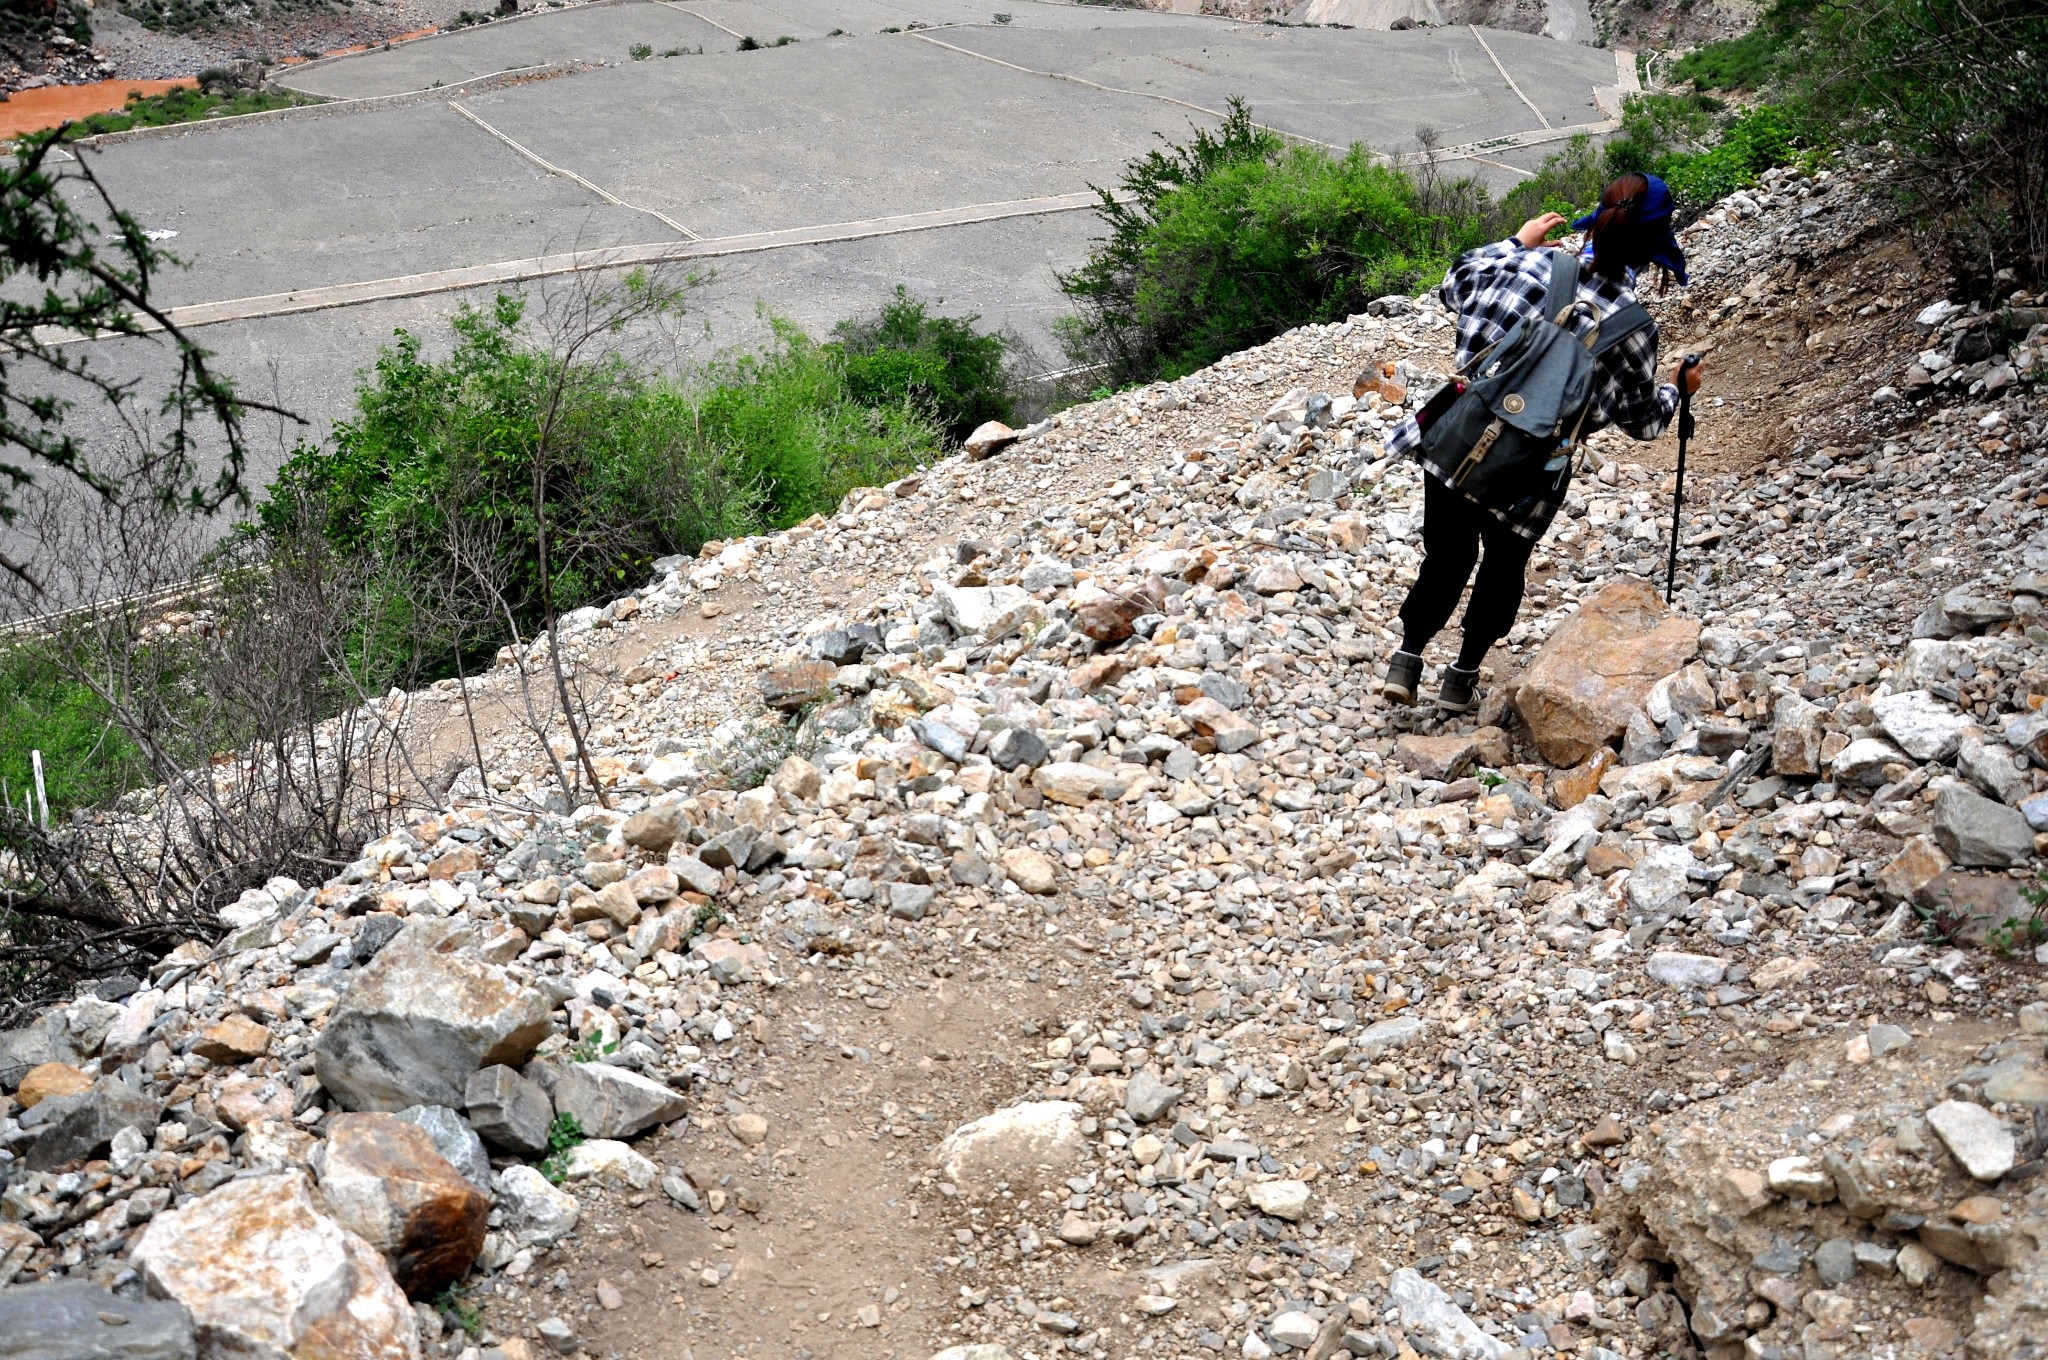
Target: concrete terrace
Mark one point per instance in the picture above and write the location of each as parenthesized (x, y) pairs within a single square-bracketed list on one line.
[(811, 178)]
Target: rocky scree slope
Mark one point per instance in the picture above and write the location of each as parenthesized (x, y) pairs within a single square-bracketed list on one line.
[(1264, 1018)]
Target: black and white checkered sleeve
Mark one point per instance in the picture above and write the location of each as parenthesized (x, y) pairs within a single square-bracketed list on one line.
[(1626, 393)]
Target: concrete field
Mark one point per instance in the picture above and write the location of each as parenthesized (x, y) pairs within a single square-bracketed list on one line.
[(812, 178)]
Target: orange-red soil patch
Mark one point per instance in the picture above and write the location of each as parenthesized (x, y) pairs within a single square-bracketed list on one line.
[(53, 105)]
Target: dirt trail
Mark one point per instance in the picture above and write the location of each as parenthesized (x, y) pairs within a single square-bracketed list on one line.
[(820, 1246)]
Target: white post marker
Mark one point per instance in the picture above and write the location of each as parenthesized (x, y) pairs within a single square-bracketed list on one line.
[(35, 760)]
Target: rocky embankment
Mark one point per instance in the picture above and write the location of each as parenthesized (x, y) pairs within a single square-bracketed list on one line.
[(1102, 969)]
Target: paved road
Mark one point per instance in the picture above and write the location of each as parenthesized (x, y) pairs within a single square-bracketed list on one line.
[(812, 177)]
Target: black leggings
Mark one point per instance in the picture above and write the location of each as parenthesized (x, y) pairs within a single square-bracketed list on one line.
[(1453, 528)]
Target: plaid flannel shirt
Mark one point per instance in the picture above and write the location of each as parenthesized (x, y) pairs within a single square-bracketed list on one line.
[(1489, 289)]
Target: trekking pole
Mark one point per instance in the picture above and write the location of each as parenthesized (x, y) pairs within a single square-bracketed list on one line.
[(1685, 428)]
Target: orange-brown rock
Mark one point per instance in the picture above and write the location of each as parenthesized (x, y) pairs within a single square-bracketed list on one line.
[(50, 1079), (1603, 860), (381, 1178), (1598, 667), (1438, 757), (247, 1101), (1918, 863), (1582, 781), (236, 1039), (460, 860)]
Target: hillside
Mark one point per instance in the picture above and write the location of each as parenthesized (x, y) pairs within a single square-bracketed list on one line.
[(1097, 966)]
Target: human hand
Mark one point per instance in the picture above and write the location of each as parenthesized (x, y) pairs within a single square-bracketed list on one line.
[(1687, 378), (1536, 228)]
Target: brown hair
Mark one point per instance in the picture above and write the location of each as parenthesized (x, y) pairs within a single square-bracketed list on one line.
[(1619, 241)]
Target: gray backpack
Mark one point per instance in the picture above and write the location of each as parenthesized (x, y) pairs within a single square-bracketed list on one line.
[(1503, 437)]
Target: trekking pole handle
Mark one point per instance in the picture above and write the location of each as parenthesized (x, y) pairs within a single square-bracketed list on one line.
[(1685, 421)]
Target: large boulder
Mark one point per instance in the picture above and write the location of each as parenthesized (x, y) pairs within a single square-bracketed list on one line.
[(1599, 667), (74, 1320), (1924, 726), (264, 1273), (382, 1179), (608, 1102), (1025, 1147), (421, 1018)]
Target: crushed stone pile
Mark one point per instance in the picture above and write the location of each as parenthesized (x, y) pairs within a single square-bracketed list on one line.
[(1683, 1000)]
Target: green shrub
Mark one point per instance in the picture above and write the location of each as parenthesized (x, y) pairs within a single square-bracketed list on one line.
[(1744, 63), (1757, 61), (1748, 144), (940, 365), (1951, 97), (186, 106), (1703, 151), (799, 436), (640, 51), (1656, 128), (87, 760), (434, 490), (1225, 242), (1946, 98)]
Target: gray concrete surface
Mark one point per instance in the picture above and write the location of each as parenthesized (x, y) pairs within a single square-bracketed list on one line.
[(707, 153)]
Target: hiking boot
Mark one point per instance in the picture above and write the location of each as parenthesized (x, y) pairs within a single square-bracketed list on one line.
[(1459, 692), (1404, 674)]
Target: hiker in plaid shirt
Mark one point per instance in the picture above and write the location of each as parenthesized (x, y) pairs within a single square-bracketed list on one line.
[(1491, 288)]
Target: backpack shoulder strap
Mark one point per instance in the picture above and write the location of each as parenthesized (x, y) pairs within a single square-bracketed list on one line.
[(1563, 292), (1619, 324)]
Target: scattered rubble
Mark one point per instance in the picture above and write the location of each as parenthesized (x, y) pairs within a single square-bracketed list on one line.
[(1683, 998)]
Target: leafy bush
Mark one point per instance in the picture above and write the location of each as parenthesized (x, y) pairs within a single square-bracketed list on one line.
[(451, 471), (1946, 97), (800, 437), (1743, 63), (942, 366), (1224, 242), (1757, 60), (188, 105), (1703, 152), (1953, 97), (87, 760)]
